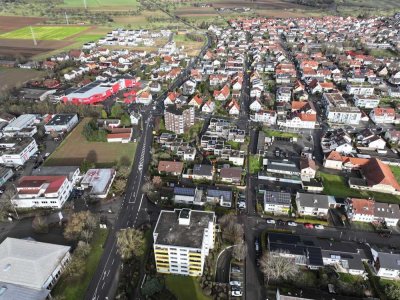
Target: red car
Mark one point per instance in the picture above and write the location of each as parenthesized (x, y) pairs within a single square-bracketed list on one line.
[(308, 225)]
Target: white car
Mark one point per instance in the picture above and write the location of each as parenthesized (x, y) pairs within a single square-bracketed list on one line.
[(242, 205), (235, 283), (236, 292), (271, 221), (293, 224), (319, 226)]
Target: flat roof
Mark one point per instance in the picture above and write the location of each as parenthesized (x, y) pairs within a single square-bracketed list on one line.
[(170, 232), (60, 119), (98, 180)]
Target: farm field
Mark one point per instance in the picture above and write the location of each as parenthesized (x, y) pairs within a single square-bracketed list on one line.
[(8, 23), (14, 77), (75, 148), (52, 33), (100, 4)]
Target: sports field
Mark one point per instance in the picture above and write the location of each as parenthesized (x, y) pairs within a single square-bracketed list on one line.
[(75, 148), (51, 33), (101, 4)]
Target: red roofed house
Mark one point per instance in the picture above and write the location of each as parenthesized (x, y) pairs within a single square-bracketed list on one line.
[(120, 135), (339, 162), (377, 177), (144, 98), (233, 107), (361, 210), (223, 94), (381, 115), (42, 191), (196, 101), (170, 167), (172, 96)]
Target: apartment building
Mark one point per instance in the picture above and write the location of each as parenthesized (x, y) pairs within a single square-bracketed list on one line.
[(179, 120), (370, 101), (182, 241), (16, 151), (42, 191), (337, 110), (277, 203), (314, 204)]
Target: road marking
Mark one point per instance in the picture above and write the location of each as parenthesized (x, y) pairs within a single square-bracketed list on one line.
[(112, 261), (140, 205), (102, 287), (108, 258)]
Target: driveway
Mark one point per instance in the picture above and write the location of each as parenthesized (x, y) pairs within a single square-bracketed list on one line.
[(222, 273)]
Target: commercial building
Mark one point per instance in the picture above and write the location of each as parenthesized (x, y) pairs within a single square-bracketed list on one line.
[(30, 269), (19, 124), (179, 120), (16, 151), (277, 203), (5, 174), (73, 173), (98, 181), (182, 241), (42, 191), (61, 123)]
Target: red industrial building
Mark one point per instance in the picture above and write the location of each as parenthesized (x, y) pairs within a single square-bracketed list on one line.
[(98, 91)]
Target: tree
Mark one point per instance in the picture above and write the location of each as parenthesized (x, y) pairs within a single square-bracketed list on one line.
[(85, 166), (130, 243), (240, 251), (117, 111), (274, 266), (231, 231), (77, 223), (40, 225), (151, 287), (5, 203), (392, 291), (125, 120), (104, 114), (119, 186)]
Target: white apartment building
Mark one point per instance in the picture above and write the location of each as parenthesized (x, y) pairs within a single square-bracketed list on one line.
[(268, 117), (42, 191), (16, 151), (337, 110), (360, 89), (363, 101), (283, 94), (182, 240), (314, 204)]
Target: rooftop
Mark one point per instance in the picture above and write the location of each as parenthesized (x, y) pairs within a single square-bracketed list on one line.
[(168, 231), (60, 119)]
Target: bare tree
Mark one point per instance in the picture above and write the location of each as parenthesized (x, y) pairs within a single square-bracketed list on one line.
[(5, 203), (130, 243), (87, 235), (275, 266), (240, 251)]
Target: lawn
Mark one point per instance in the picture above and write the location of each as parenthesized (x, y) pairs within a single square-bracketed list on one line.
[(53, 33), (276, 133), (184, 287), (12, 77), (335, 185), (396, 172), (255, 164), (101, 4), (76, 290), (75, 148)]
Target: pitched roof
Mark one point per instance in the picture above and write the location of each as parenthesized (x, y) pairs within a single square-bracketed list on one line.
[(34, 183), (29, 263), (231, 172), (363, 206), (298, 105), (376, 172), (381, 111), (170, 166)]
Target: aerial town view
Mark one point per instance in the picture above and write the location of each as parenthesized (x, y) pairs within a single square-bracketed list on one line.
[(199, 150)]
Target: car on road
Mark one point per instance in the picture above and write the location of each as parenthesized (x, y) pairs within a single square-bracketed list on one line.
[(271, 221), (235, 282), (241, 204), (293, 224), (280, 222), (236, 291), (308, 226), (319, 226), (235, 269)]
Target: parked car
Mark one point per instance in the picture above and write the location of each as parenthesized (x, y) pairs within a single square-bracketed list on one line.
[(293, 224), (242, 205), (257, 245), (236, 291), (319, 226), (280, 222), (235, 269), (235, 282), (271, 221), (308, 225)]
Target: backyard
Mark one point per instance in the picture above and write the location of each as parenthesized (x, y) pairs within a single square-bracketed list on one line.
[(75, 149), (184, 287), (255, 164), (76, 290), (337, 186)]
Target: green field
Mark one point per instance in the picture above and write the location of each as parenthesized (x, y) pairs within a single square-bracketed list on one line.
[(101, 4), (184, 287), (52, 33), (75, 149)]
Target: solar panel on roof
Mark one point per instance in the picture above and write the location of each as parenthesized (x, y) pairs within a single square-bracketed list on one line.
[(184, 191)]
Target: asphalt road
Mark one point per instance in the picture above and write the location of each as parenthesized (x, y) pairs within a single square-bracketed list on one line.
[(104, 282)]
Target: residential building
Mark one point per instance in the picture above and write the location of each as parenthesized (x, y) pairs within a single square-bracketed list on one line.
[(364, 101), (314, 204), (203, 172), (189, 196), (360, 210), (120, 135), (145, 98), (360, 89), (170, 167), (268, 117), (337, 110), (183, 239), (30, 269), (135, 118), (98, 182), (61, 123), (231, 175), (308, 169), (382, 115), (220, 196), (386, 265), (277, 203), (5, 174), (283, 94), (16, 151), (179, 120), (42, 191), (388, 213)]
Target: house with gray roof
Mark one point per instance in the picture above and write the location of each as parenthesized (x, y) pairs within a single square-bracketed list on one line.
[(316, 205), (386, 265), (223, 197)]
